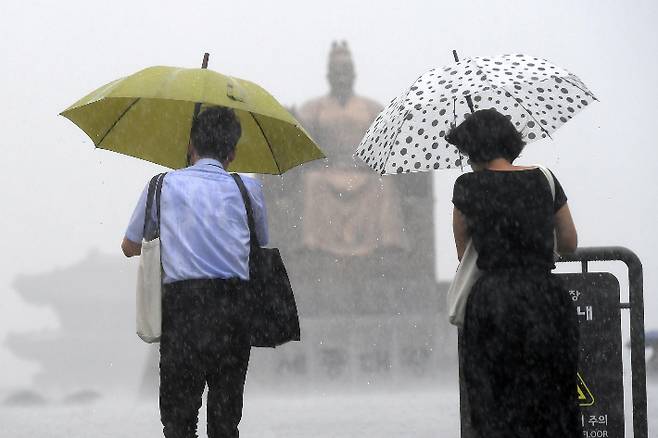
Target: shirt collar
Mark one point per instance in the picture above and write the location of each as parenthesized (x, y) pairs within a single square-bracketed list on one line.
[(208, 161)]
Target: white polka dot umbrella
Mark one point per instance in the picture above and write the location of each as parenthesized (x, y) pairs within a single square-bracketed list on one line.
[(409, 134)]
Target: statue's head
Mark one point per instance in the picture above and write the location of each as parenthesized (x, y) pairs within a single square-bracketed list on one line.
[(340, 71)]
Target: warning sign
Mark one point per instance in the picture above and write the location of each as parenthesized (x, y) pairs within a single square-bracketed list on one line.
[(600, 390), (585, 397)]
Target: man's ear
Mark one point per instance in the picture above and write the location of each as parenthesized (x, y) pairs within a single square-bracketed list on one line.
[(192, 153), (231, 156)]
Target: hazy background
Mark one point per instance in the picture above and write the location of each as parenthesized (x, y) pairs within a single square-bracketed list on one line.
[(61, 198)]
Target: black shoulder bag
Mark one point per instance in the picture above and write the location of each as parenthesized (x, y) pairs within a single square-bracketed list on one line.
[(270, 303)]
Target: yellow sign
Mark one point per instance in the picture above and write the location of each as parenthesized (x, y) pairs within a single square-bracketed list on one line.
[(585, 397)]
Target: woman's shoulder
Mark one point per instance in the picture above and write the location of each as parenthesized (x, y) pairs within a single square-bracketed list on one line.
[(470, 179), (465, 178), (465, 186)]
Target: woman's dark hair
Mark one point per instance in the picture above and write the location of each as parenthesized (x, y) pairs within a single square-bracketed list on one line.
[(215, 132), (486, 135)]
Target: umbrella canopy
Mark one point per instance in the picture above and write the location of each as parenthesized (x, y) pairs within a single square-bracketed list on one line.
[(149, 114), (409, 134)]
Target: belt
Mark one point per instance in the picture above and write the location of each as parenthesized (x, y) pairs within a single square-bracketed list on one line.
[(518, 270), (206, 283)]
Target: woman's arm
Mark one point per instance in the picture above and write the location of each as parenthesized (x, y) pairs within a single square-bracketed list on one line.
[(567, 237), (460, 231)]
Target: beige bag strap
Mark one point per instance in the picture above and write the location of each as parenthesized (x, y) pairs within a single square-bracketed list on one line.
[(551, 181)]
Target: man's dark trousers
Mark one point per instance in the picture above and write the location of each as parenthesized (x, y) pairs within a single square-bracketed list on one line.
[(204, 340)]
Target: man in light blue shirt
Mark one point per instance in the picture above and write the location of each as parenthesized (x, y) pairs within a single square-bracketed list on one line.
[(204, 237), (203, 229)]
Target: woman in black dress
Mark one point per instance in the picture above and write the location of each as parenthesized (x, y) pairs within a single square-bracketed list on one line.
[(520, 334)]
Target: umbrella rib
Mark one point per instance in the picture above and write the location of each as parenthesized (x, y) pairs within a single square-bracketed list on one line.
[(402, 98), (266, 140), (588, 93), (529, 112), (522, 106), (118, 120), (388, 156)]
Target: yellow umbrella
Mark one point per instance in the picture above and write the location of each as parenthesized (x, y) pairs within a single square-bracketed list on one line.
[(149, 114)]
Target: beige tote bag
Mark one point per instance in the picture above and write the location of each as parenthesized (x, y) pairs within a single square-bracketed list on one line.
[(466, 276), (149, 273)]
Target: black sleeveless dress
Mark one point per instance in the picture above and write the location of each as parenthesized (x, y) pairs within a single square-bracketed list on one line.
[(520, 334)]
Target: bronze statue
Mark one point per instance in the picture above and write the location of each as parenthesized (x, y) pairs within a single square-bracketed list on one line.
[(347, 209), (359, 247), (339, 120)]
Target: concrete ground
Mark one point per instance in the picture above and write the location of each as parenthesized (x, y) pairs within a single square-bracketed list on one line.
[(419, 413)]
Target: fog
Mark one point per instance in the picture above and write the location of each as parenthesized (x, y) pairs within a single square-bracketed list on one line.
[(63, 200)]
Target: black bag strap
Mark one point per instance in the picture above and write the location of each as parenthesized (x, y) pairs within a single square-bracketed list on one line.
[(253, 240), (152, 231)]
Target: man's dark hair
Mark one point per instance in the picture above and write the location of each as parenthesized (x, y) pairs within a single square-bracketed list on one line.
[(486, 135), (215, 132)]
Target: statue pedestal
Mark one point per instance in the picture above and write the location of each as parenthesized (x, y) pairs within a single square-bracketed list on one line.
[(377, 318)]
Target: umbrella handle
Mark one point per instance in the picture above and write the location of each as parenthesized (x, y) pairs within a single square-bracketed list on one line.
[(469, 101)]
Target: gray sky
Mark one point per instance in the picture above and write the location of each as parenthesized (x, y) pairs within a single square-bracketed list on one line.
[(61, 198)]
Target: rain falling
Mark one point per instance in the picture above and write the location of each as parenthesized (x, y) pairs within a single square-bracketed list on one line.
[(345, 118)]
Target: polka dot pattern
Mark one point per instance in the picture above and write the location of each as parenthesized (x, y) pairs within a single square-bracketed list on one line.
[(409, 134)]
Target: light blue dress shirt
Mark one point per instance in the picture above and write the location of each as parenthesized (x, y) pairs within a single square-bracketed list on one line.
[(203, 226)]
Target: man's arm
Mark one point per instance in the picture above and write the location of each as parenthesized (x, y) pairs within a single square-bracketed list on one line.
[(130, 248), (131, 244)]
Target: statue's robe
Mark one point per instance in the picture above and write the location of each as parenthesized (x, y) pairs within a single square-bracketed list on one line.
[(348, 209)]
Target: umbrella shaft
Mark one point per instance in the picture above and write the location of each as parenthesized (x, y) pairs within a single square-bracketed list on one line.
[(469, 101)]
